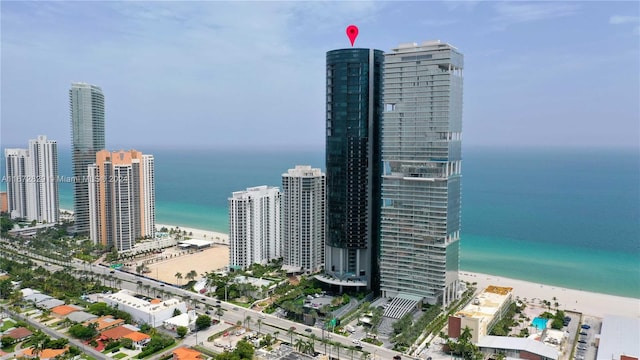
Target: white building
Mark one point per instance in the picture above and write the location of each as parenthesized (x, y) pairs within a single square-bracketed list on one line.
[(482, 313), (32, 181), (121, 198), (16, 171), (153, 312), (254, 226), (422, 164), (303, 219)]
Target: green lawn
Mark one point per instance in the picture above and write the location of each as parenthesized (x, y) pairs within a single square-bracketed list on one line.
[(7, 324), (120, 356)]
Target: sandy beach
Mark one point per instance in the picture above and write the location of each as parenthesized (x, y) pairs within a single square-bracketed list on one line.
[(217, 237), (588, 303), (207, 260)]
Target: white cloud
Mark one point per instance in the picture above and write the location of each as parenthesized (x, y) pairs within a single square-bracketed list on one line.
[(509, 13), (623, 19)]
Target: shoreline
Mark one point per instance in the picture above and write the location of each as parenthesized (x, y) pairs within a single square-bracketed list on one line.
[(578, 300), (202, 234), (581, 301)]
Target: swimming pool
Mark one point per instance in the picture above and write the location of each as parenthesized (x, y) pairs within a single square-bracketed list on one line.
[(540, 323)]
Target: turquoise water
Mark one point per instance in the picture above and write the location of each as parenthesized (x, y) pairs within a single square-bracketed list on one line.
[(540, 323), (565, 217)]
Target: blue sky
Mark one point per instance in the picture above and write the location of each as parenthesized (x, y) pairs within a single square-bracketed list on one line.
[(251, 74)]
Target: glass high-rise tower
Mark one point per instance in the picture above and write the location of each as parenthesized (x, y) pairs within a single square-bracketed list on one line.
[(354, 114), (421, 155), (86, 103)]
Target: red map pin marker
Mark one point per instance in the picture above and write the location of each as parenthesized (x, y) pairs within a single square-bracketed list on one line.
[(352, 33)]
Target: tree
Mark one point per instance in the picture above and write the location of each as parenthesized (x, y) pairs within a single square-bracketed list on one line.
[(290, 332), (178, 276), (191, 275), (244, 350), (247, 322), (202, 322), (182, 331), (259, 322), (219, 313), (300, 345)]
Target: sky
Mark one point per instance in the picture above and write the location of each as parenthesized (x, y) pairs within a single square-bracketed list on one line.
[(252, 74)]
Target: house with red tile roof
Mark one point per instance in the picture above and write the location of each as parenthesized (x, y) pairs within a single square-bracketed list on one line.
[(184, 353), (115, 333), (44, 354), (105, 323), (19, 334), (63, 310), (139, 339)]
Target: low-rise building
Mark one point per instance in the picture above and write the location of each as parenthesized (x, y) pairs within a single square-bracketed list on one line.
[(62, 311), (618, 338), (184, 353), (481, 313), (518, 348), (187, 320), (19, 334), (105, 323), (145, 311)]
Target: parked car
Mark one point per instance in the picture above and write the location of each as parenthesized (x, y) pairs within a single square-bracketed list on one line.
[(585, 326)]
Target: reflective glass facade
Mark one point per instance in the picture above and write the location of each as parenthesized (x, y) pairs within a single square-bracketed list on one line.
[(421, 182), (87, 137), (354, 113)]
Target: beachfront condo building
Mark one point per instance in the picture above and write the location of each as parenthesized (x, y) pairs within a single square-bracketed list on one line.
[(86, 103), (303, 219), (353, 167), (121, 191), (32, 181), (421, 157), (254, 226)]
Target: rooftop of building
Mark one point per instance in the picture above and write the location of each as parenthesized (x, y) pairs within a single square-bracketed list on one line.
[(429, 44), (619, 336), (487, 303), (127, 298), (63, 310), (516, 343), (184, 353)]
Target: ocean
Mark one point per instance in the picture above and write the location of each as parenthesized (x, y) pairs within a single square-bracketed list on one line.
[(564, 217)]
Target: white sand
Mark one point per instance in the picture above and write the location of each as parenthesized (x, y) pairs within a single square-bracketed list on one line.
[(588, 303), (217, 237), (207, 260)]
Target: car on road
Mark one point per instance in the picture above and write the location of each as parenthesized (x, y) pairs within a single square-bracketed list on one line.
[(235, 309), (307, 330), (585, 326), (356, 341), (262, 316), (208, 312), (217, 301)]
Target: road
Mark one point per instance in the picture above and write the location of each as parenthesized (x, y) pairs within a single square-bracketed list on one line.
[(53, 334), (233, 313)]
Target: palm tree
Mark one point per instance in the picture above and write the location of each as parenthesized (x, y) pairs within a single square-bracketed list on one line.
[(290, 333), (191, 275), (247, 322), (178, 276), (300, 345), (219, 312), (351, 350), (275, 335), (259, 322)]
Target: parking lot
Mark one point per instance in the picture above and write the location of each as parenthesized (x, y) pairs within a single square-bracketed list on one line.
[(585, 345)]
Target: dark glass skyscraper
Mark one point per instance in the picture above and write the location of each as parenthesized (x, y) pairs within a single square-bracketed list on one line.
[(86, 103), (353, 163)]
